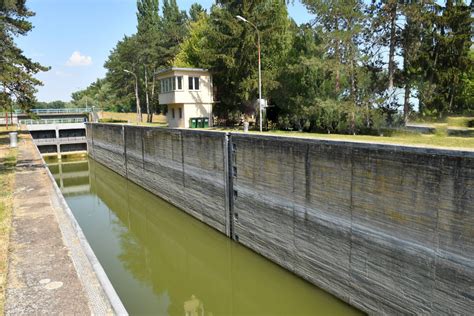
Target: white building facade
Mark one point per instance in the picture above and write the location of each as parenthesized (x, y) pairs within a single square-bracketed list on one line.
[(188, 93)]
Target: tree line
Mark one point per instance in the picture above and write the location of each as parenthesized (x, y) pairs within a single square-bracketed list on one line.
[(356, 66)]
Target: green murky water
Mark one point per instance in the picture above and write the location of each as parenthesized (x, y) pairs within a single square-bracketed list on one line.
[(162, 261)]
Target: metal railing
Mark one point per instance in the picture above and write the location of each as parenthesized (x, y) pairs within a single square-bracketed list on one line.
[(60, 140), (52, 121), (56, 111)]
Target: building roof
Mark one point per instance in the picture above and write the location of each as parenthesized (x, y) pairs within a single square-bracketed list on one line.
[(171, 69)]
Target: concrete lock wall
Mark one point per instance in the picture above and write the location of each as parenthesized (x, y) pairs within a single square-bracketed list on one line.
[(185, 168), (388, 229)]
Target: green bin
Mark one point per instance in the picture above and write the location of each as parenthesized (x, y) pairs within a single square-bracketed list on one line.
[(193, 123), (200, 122), (206, 122)]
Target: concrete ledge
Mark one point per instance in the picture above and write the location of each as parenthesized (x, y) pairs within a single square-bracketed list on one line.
[(364, 145), (94, 294)]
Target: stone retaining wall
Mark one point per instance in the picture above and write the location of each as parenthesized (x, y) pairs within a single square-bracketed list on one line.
[(388, 229)]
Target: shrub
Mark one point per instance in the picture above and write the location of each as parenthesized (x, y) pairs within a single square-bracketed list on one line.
[(461, 121)]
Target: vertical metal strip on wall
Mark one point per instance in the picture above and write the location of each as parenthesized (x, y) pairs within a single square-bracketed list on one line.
[(142, 136), (124, 139), (228, 183)]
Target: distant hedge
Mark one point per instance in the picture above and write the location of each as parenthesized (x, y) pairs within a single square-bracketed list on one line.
[(461, 121), (111, 120)]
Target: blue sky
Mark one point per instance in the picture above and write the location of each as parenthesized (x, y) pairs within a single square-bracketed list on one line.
[(75, 37)]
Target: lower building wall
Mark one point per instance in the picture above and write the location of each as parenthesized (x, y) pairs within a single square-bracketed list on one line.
[(188, 111), (388, 229)]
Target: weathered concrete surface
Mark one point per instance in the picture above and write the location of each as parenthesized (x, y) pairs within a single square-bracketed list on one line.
[(386, 228), (183, 167), (389, 229), (43, 273)]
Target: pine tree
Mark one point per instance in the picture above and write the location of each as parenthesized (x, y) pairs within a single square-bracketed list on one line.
[(443, 59), (148, 35), (383, 34), (173, 30), (414, 30), (124, 57), (17, 82), (196, 11), (232, 51), (340, 24)]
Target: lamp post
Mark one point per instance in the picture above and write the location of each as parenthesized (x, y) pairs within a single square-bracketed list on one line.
[(139, 110), (259, 67)]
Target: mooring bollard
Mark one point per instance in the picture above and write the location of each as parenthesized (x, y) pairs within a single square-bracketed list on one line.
[(13, 139)]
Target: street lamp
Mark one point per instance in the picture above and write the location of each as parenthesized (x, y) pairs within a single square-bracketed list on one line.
[(259, 67), (139, 110)]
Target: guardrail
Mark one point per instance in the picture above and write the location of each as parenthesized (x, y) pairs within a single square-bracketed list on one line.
[(52, 121)]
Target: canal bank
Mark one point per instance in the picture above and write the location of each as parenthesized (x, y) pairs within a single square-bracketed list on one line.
[(386, 228), (50, 269)]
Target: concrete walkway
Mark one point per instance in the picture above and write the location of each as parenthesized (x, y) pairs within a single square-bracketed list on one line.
[(48, 272)]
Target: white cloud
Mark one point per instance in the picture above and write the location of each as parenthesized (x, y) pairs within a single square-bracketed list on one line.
[(77, 59)]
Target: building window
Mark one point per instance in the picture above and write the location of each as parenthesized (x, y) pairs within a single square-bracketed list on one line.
[(196, 83), (180, 113), (172, 112), (171, 83), (190, 83), (193, 83)]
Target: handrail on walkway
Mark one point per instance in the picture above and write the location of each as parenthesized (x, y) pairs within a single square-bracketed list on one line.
[(56, 111), (52, 121)]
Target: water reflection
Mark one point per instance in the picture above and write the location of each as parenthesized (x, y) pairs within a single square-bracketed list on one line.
[(72, 176), (163, 262)]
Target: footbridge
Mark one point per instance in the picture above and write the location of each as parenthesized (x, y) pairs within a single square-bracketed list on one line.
[(57, 131)]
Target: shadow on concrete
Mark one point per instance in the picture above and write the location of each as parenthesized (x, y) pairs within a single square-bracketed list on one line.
[(28, 164)]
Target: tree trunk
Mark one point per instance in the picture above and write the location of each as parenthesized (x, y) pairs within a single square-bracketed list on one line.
[(353, 96), (152, 98), (11, 114), (406, 104), (451, 97), (391, 54), (353, 75), (338, 58), (146, 98), (368, 115), (139, 110)]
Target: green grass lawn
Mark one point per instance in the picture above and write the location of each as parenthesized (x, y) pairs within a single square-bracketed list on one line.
[(420, 140), (438, 140), (7, 165)]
